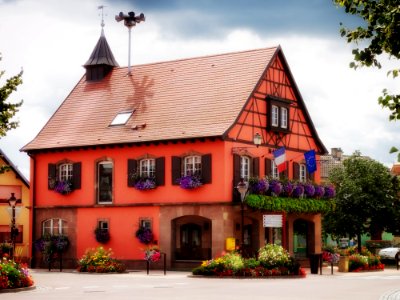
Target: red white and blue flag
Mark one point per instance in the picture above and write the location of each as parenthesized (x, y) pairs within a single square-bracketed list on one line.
[(280, 159)]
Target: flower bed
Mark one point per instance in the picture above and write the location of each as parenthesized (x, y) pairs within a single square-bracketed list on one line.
[(100, 260), (14, 275), (272, 261)]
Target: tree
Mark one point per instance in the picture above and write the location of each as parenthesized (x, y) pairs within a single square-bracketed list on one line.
[(379, 35), (8, 109), (366, 199)]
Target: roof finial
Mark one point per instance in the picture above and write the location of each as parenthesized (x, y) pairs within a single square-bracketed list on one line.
[(102, 18)]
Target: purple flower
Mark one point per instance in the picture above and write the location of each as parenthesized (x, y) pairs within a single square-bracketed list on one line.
[(259, 186), (275, 187), (298, 191), (189, 182), (319, 191), (145, 235), (288, 188), (145, 184), (63, 187), (309, 190), (329, 191)]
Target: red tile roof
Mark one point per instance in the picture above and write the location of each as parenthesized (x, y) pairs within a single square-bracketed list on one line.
[(187, 98)]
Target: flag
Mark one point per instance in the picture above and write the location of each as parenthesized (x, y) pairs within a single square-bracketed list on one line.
[(280, 159), (311, 162)]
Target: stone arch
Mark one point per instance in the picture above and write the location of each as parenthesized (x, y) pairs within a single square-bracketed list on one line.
[(191, 238)]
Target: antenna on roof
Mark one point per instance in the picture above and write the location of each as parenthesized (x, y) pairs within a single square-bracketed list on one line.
[(129, 21), (102, 18)]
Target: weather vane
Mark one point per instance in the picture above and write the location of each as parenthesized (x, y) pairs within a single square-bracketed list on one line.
[(130, 21), (102, 17)]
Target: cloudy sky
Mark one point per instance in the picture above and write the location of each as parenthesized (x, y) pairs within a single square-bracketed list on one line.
[(51, 40)]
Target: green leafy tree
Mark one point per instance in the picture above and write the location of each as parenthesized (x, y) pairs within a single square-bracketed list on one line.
[(380, 34), (7, 108), (366, 199)]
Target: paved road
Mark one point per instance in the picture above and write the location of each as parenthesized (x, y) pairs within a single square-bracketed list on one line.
[(177, 285)]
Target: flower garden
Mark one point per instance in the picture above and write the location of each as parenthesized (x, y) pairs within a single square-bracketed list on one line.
[(14, 275), (100, 260), (272, 261), (364, 261)]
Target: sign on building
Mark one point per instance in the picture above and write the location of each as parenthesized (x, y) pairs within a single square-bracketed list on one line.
[(272, 220)]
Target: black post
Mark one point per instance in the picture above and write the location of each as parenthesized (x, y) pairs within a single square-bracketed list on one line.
[(165, 263), (242, 229), (147, 266), (60, 261)]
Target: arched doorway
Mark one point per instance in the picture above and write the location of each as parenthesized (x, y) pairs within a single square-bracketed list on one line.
[(191, 238)]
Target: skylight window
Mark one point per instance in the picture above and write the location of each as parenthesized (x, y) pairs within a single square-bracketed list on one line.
[(121, 118)]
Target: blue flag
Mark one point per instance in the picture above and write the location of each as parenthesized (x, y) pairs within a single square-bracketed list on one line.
[(311, 162)]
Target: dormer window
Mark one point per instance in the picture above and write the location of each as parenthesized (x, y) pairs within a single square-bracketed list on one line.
[(121, 118), (278, 114)]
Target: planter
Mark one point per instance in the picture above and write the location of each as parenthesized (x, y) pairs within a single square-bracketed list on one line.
[(343, 264)]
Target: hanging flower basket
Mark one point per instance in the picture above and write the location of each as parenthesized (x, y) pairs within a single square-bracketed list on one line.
[(190, 182), (102, 235), (145, 235)]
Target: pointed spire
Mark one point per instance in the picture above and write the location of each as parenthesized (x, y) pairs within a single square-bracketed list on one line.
[(102, 60)]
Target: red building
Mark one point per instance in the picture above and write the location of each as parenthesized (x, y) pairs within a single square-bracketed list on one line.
[(165, 121)]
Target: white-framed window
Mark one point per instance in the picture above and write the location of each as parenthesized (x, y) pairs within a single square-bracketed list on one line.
[(192, 165), (303, 174), (245, 168), (103, 225), (284, 117), (275, 116), (147, 167), (121, 118), (65, 172), (274, 170), (54, 226), (145, 223), (104, 181)]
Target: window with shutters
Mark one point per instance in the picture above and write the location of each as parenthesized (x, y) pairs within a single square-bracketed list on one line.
[(64, 176), (196, 165), (146, 172)]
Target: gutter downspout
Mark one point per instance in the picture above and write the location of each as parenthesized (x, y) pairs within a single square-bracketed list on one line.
[(33, 204)]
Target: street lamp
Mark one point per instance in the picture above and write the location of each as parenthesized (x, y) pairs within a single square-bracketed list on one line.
[(13, 202), (242, 188)]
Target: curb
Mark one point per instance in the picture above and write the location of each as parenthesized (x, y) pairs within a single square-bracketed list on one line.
[(17, 290)]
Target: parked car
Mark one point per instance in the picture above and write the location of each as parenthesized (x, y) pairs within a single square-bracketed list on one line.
[(388, 253)]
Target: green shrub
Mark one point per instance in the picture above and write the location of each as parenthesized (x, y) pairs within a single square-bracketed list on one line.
[(272, 255), (251, 263)]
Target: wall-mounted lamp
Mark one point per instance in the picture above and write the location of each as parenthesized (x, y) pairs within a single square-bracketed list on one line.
[(257, 139)]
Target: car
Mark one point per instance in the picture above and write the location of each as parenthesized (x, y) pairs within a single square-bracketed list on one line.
[(389, 253)]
